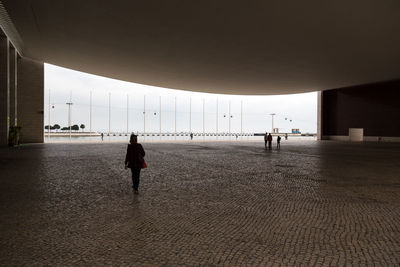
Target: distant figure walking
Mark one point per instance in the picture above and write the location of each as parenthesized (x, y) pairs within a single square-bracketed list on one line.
[(265, 140), (102, 136), (269, 139), (134, 160), (286, 135), (278, 142), (191, 136)]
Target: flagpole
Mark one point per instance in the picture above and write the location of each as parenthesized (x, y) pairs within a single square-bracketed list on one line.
[(241, 117), (229, 118), (127, 114), (49, 117), (175, 116), (217, 119), (144, 115), (204, 118), (90, 113), (109, 114)]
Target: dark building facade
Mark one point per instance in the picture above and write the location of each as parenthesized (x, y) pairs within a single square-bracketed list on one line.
[(373, 107), (21, 94)]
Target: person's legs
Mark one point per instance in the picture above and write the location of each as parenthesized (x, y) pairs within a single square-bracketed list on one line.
[(135, 178)]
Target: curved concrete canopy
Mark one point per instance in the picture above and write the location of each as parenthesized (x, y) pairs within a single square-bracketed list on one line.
[(233, 47)]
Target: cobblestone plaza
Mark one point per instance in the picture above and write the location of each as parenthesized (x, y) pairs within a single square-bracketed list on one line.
[(202, 203)]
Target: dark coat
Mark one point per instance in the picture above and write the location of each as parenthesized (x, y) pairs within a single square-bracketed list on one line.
[(134, 156)]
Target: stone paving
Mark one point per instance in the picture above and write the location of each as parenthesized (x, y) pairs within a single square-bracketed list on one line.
[(212, 203)]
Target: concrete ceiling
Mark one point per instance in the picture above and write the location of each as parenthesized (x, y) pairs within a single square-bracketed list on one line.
[(232, 47)]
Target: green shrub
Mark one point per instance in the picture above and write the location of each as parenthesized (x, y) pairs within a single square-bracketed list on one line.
[(14, 135)]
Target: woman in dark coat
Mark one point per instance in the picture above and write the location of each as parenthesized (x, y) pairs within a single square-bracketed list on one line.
[(134, 160)]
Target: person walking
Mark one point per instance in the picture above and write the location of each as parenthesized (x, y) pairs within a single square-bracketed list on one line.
[(134, 160), (286, 135), (269, 139), (102, 136), (191, 136), (278, 142), (265, 140)]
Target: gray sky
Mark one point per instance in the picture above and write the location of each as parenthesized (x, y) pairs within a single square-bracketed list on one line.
[(300, 108)]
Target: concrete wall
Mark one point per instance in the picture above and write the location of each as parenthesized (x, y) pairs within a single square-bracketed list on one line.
[(30, 100), (373, 107)]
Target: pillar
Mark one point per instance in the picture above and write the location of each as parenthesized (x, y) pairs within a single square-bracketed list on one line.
[(319, 116), (13, 87), (30, 99), (4, 89)]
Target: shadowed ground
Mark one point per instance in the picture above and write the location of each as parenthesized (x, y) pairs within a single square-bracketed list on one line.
[(214, 203)]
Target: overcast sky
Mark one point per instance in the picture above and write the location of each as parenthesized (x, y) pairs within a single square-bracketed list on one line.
[(300, 108)]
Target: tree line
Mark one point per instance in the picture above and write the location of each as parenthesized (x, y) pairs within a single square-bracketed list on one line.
[(57, 127)]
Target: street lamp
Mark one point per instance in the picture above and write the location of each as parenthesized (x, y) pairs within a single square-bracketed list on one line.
[(69, 117), (272, 115)]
